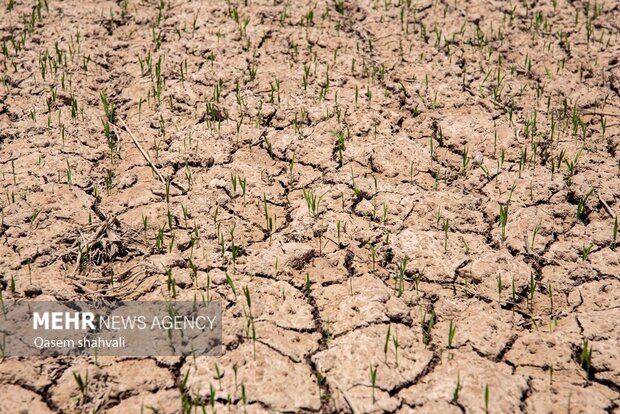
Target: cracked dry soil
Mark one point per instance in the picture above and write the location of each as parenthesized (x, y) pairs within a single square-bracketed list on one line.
[(369, 170)]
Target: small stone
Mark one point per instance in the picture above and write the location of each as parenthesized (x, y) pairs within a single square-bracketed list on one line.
[(32, 291), (478, 158)]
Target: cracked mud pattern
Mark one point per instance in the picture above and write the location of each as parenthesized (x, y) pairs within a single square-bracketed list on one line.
[(376, 174)]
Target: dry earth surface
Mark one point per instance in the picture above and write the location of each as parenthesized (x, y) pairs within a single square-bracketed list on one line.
[(418, 196)]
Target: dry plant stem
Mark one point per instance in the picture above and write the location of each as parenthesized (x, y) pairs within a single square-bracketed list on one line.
[(347, 400), (95, 237), (600, 113), (609, 210), (144, 154)]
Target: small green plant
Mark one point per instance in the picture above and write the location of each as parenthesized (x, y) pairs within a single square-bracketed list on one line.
[(582, 205), (82, 383), (242, 182), (313, 202), (465, 161), (586, 357), (534, 233), (33, 217), (231, 284), (585, 251), (250, 318), (373, 380), (503, 220), (69, 179), (400, 280), (571, 165), (387, 341), (395, 342), (451, 333), (531, 290), (486, 399), (427, 326), (171, 284), (270, 221), (308, 287), (457, 388)]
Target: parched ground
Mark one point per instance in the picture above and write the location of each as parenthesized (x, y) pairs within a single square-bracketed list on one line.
[(418, 197)]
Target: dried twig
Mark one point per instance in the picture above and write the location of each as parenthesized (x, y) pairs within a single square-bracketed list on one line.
[(347, 399), (144, 154), (609, 210), (600, 113)]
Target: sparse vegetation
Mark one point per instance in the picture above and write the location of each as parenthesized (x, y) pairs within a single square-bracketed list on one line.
[(323, 170)]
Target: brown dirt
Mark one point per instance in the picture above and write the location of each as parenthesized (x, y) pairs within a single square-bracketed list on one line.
[(518, 89)]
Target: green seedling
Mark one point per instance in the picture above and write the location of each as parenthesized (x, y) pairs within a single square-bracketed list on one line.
[(387, 341), (33, 217), (503, 220), (373, 256), (291, 166), (486, 399), (188, 176), (457, 388), (159, 238), (427, 326), (170, 218), (534, 233), (373, 381), (82, 383), (614, 233), (186, 215), (250, 318), (270, 221), (465, 161), (395, 342), (485, 171), (585, 251), (451, 333), (586, 357), (313, 201), (244, 397), (308, 287), (231, 284), (572, 165), (69, 179), (400, 280), (582, 205)]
